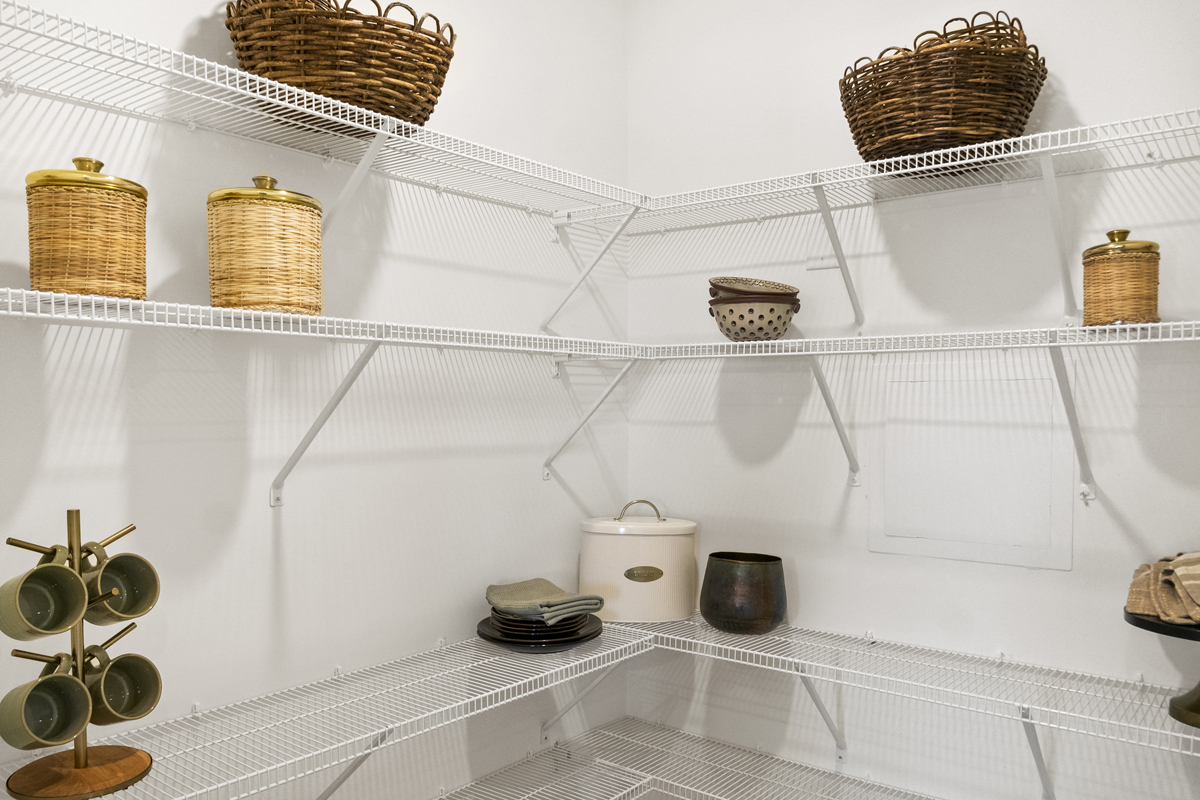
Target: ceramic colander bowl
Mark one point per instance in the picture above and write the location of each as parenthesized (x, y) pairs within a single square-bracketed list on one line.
[(753, 317)]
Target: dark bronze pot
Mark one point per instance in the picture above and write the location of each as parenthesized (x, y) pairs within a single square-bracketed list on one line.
[(743, 592)]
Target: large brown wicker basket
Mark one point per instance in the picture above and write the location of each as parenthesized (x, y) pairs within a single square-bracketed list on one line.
[(87, 232), (386, 65), (969, 84)]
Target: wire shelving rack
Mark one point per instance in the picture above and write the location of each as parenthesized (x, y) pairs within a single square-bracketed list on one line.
[(631, 758), (244, 748), (71, 309), (1110, 708)]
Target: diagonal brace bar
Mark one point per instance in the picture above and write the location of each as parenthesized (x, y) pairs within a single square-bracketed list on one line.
[(354, 765), (575, 700), (588, 415), (1050, 185), (1087, 483), (836, 241), (823, 385), (356, 177), (838, 739), (343, 387), (612, 237), (1035, 746)]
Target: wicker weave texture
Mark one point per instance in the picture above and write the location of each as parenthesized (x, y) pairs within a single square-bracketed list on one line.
[(1121, 287), (970, 83), (264, 254), (86, 241), (390, 66)]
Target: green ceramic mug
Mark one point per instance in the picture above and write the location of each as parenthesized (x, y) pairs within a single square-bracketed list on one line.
[(48, 599), (131, 575), (49, 711), (122, 688)]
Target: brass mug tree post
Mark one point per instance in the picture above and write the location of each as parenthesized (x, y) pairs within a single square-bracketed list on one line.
[(75, 688)]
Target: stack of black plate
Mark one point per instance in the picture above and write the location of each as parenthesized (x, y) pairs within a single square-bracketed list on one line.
[(535, 636)]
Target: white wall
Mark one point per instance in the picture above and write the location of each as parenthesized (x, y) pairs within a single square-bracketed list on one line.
[(721, 94), (425, 486)]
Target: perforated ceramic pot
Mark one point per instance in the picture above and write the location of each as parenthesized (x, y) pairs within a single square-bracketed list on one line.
[(643, 567)]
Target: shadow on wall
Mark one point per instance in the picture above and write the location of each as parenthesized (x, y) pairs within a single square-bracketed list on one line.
[(1168, 409), (23, 404), (208, 38), (758, 405)]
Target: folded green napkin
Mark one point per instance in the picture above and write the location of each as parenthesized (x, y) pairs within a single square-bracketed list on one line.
[(540, 599)]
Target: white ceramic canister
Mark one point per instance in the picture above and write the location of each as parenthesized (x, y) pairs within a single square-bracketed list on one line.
[(643, 567)]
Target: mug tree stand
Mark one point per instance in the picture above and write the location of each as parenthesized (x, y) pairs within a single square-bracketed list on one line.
[(84, 771), (1185, 707)]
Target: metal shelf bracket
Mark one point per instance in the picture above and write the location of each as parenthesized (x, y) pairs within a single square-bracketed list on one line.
[(348, 381), (355, 764), (1050, 186), (1036, 748), (823, 385), (836, 242), (565, 239), (356, 178), (587, 415), (575, 700), (839, 740), (1087, 483)]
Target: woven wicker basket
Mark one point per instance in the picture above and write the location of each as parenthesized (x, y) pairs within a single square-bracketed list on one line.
[(386, 65), (966, 85), (1120, 281), (264, 249), (87, 232)]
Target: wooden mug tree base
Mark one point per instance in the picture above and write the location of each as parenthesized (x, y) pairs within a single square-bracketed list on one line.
[(110, 768)]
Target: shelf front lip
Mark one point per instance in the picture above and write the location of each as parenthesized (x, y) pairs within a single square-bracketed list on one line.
[(98, 310), (1041, 713)]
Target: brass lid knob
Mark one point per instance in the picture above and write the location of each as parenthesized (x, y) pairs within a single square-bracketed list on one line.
[(1119, 242)]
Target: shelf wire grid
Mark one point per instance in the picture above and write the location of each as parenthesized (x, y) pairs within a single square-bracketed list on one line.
[(72, 309), (1154, 141), (51, 56), (244, 748), (52, 307), (1110, 708), (631, 758)]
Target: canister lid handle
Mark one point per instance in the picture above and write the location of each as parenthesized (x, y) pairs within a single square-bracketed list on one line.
[(634, 503)]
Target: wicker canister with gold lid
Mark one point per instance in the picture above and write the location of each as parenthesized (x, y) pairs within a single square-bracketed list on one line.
[(87, 232), (264, 249), (1120, 281)]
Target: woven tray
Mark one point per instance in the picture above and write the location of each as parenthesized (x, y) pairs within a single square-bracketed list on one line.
[(392, 66), (1122, 287), (86, 241), (264, 255), (968, 84)]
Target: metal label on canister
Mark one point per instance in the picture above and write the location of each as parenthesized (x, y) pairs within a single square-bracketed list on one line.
[(643, 574)]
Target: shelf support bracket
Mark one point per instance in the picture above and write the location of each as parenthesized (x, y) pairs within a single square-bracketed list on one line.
[(356, 178), (838, 739), (1038, 759), (612, 237), (835, 240), (1087, 483), (575, 700), (588, 415), (348, 381), (355, 764), (1050, 186), (823, 385)]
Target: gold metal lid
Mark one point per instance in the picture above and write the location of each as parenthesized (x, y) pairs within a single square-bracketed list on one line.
[(86, 173), (1118, 243), (264, 189)]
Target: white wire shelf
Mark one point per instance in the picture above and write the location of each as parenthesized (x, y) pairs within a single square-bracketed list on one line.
[(632, 758), (51, 56), (73, 309), (1124, 711), (241, 749), (1155, 141)]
